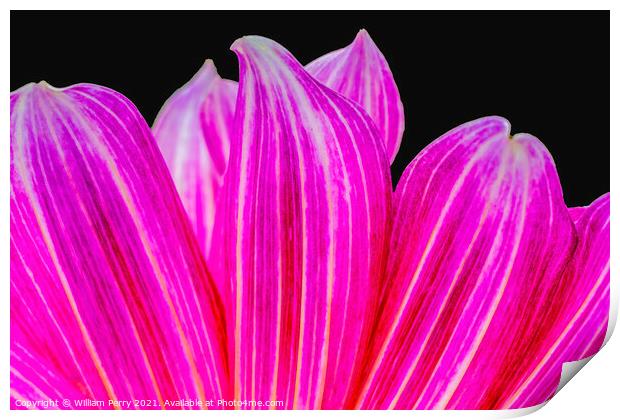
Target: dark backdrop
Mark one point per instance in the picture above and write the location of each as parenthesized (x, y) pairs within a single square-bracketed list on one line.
[(547, 72)]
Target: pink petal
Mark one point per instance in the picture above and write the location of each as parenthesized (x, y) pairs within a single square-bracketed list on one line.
[(193, 132), (27, 386), (361, 73), (193, 129), (304, 214), (584, 312), (480, 238), (109, 292), (576, 212)]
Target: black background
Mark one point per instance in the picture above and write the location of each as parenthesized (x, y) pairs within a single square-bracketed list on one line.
[(547, 72)]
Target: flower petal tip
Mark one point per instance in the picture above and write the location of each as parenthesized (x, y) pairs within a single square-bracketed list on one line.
[(31, 87), (363, 39), (206, 73), (252, 42), (486, 126), (43, 87), (361, 73), (496, 120), (43, 84), (193, 131)]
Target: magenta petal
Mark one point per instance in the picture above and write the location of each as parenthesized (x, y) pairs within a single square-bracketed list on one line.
[(584, 315), (32, 381), (193, 132), (193, 128), (109, 291), (480, 238), (361, 73), (576, 212), (304, 214)]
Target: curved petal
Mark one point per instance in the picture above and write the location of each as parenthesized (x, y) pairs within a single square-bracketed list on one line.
[(193, 128), (193, 132), (108, 285), (304, 211), (361, 73), (480, 239), (584, 316)]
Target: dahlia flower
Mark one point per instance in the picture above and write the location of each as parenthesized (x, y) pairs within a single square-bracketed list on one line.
[(249, 248)]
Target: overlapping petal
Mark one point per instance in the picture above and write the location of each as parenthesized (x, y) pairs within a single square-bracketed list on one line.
[(193, 128), (469, 293), (193, 131), (584, 312), (305, 216), (110, 295), (361, 73), (480, 239)]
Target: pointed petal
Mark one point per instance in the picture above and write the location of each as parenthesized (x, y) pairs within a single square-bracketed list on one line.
[(305, 217), (108, 285), (193, 132), (361, 73), (584, 316), (480, 238), (193, 129)]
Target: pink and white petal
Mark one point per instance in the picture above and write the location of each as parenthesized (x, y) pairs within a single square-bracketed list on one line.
[(109, 288), (193, 131), (584, 317), (305, 215), (37, 386), (361, 73), (480, 239)]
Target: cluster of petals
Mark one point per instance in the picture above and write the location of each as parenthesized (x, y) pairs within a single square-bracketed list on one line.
[(250, 247)]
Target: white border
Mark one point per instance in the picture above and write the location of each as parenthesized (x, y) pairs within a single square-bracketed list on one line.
[(594, 395)]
